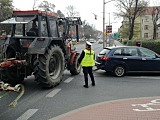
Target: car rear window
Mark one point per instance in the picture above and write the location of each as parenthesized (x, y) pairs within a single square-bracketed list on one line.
[(104, 52)]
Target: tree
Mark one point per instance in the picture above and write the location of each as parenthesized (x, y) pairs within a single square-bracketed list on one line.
[(131, 9), (87, 30), (71, 11), (60, 14), (34, 4), (5, 13), (155, 17), (46, 6)]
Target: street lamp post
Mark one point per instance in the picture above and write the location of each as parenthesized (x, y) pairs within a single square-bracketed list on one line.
[(104, 32), (104, 24)]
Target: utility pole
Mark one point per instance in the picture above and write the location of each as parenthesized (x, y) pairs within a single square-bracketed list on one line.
[(104, 32)]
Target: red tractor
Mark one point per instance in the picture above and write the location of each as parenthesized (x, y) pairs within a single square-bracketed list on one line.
[(43, 52)]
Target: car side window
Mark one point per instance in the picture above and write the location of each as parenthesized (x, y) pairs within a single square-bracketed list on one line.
[(127, 52), (130, 52), (133, 52), (117, 52), (147, 53)]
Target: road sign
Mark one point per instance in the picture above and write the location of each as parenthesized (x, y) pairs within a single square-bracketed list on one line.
[(106, 34), (109, 29)]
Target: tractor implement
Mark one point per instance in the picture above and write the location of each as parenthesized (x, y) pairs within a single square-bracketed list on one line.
[(7, 88), (12, 62)]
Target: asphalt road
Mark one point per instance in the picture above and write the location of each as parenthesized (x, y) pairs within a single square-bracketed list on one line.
[(41, 104)]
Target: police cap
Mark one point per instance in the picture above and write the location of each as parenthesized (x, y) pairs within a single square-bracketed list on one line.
[(88, 43)]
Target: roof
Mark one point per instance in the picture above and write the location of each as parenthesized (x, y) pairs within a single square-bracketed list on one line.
[(150, 10), (112, 47), (32, 12)]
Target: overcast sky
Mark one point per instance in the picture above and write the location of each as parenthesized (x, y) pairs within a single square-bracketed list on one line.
[(86, 8)]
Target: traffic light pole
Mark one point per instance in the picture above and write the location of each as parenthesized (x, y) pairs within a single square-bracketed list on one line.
[(104, 32)]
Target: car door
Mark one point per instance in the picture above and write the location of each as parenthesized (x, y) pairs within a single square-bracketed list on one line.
[(132, 59), (150, 61), (132, 62)]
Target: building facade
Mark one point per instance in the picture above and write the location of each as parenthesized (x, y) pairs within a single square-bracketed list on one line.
[(143, 26)]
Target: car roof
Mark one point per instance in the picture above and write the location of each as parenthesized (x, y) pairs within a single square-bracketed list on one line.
[(113, 47)]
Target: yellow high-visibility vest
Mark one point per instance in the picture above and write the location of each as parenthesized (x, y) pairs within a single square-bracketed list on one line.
[(88, 59)]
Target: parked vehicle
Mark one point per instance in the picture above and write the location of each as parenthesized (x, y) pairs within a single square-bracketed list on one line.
[(92, 40), (124, 59), (45, 55), (100, 41)]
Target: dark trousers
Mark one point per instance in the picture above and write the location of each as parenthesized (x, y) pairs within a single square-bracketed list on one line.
[(86, 71)]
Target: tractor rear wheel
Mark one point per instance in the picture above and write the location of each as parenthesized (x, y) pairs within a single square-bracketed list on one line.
[(49, 67)]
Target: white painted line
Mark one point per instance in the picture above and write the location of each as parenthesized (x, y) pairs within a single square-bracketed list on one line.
[(27, 114), (69, 79), (53, 93), (146, 77), (148, 106)]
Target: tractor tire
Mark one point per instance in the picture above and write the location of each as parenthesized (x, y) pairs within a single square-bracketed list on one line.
[(75, 68), (49, 67)]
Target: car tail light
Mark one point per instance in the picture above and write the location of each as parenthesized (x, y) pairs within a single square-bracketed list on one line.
[(105, 58), (27, 44), (41, 39)]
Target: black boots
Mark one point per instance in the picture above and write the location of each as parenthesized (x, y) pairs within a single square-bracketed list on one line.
[(86, 86), (93, 84)]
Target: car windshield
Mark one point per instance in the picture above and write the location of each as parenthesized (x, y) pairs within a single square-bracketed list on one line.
[(104, 52)]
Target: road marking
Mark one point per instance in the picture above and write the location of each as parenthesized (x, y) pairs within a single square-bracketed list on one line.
[(146, 77), (27, 114), (69, 79), (148, 106), (53, 93)]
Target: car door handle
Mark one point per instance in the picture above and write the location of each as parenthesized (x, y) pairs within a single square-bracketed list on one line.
[(125, 58)]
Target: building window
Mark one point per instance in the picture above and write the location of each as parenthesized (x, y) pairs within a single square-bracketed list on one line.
[(145, 35), (146, 27), (146, 11)]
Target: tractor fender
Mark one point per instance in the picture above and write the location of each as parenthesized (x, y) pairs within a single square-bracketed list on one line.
[(39, 45), (73, 54)]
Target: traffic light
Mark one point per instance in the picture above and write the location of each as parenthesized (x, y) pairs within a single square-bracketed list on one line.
[(95, 17), (109, 29)]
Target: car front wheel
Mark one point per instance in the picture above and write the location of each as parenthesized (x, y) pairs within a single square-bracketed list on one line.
[(119, 71)]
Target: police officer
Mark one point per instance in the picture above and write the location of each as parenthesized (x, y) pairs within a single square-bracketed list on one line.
[(86, 60)]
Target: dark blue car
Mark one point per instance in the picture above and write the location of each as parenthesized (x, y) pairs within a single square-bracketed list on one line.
[(123, 59)]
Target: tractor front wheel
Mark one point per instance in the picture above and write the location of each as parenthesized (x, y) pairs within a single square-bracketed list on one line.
[(75, 68)]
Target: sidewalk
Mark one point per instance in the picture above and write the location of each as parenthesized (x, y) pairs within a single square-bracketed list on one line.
[(126, 109)]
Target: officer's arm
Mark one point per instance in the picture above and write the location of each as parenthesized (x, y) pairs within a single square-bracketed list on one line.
[(81, 57)]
